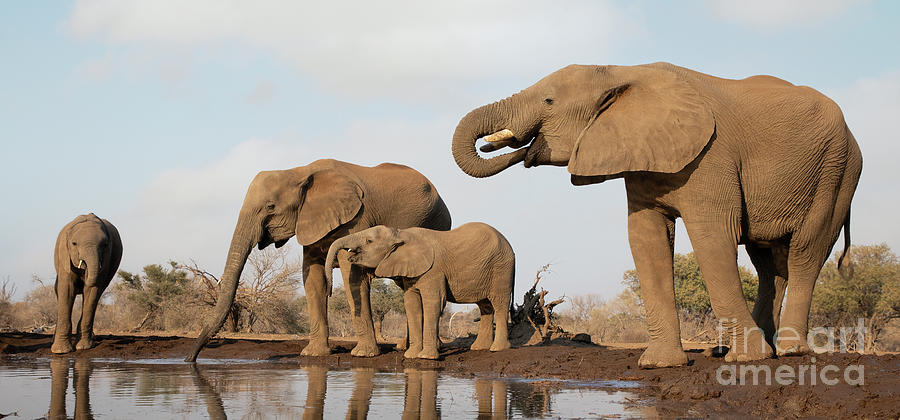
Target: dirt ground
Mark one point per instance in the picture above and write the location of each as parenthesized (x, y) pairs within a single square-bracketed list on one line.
[(692, 391)]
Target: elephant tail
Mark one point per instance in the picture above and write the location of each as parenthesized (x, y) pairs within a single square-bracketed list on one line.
[(846, 241)]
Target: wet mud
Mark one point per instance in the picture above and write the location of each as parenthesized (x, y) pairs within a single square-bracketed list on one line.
[(851, 386)]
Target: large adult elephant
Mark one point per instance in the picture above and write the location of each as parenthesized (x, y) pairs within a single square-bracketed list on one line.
[(319, 203), (756, 161)]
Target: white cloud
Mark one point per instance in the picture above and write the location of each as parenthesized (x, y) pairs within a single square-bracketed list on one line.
[(771, 14), (262, 93), (401, 47)]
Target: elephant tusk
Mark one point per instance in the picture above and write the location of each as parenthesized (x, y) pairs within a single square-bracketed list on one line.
[(504, 134), (82, 264), (497, 145)]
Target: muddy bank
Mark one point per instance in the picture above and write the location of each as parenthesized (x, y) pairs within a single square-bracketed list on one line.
[(693, 390)]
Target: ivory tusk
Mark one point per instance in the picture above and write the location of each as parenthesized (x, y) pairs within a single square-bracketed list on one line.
[(82, 264), (504, 134), (497, 145)]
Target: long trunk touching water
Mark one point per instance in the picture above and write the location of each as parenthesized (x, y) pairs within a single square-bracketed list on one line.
[(243, 240), (488, 119)]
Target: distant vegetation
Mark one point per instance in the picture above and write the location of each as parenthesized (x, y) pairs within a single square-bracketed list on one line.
[(177, 298)]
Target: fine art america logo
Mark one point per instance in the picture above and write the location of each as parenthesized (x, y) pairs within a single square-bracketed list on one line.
[(820, 340)]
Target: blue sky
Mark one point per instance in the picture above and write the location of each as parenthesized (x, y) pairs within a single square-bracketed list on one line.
[(156, 115)]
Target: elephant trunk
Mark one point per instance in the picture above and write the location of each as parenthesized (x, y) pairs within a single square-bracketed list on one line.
[(92, 267), (331, 258), (244, 238), (490, 119)]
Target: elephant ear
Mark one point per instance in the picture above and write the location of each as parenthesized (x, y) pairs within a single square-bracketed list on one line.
[(652, 121), (328, 199), (411, 257)]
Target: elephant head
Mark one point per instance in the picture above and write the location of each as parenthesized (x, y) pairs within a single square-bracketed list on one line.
[(391, 252), (309, 202), (87, 247), (599, 121)]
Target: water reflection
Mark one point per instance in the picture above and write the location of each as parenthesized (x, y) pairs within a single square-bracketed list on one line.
[(316, 385), (483, 390), (421, 395), (59, 384), (214, 406), (240, 389)]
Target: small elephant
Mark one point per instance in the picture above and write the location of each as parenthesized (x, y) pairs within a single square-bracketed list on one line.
[(473, 263), (87, 255)]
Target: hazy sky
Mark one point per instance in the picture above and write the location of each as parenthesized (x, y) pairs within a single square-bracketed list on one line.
[(157, 114)]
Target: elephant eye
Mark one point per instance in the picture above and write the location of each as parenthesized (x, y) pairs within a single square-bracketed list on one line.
[(548, 101), (270, 207), (73, 243), (368, 241)]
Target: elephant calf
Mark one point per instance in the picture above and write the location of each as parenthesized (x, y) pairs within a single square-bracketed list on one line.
[(473, 263), (87, 255)]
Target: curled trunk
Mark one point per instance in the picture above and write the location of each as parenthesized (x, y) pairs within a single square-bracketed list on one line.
[(331, 258), (482, 121), (241, 244)]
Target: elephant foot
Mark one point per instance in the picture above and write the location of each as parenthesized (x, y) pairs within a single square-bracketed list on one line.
[(316, 348), (755, 347), (480, 345), (365, 349), (402, 345), (791, 347), (661, 356), (412, 352), (61, 346), (431, 354), (85, 343), (502, 345)]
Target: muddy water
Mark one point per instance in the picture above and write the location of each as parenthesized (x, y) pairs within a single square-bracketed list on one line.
[(165, 388)]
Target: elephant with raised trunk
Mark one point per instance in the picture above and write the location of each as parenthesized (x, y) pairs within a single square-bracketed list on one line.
[(87, 255), (473, 263), (757, 161), (319, 203)]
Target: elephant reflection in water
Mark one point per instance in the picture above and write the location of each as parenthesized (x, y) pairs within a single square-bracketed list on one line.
[(214, 406), (59, 384), (317, 384), (421, 395), (483, 390)]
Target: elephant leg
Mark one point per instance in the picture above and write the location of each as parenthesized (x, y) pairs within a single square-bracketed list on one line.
[(362, 310), (362, 393), (316, 387), (59, 386), (485, 327), (804, 265), (403, 343), (429, 395), (771, 268), (317, 305), (499, 390), (432, 306), (716, 249), (86, 325), (82, 381), (651, 237), (65, 298), (500, 302), (412, 302), (483, 396)]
